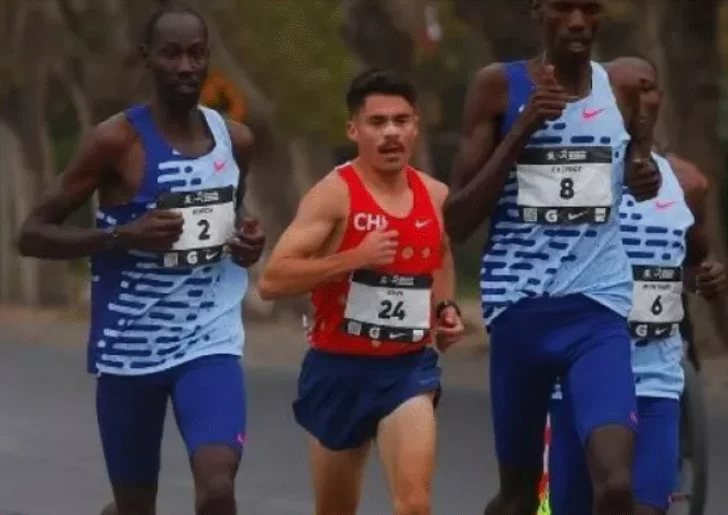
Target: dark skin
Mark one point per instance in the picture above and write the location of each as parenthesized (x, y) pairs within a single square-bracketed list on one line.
[(482, 167), (705, 273), (110, 161)]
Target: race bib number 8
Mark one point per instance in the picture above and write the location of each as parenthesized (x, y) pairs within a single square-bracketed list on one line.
[(565, 185), (388, 307), (209, 221), (657, 306)]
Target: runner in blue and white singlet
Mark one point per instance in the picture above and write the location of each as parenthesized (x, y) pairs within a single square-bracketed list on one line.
[(664, 240), (168, 262), (548, 146)]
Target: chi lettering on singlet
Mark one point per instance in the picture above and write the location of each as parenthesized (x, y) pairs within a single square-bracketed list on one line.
[(209, 221), (569, 186)]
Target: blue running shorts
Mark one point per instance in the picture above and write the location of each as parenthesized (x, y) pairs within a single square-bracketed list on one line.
[(540, 339), (341, 399), (208, 398)]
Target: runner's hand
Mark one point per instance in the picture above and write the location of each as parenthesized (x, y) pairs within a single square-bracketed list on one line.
[(155, 231), (710, 281), (642, 175), (246, 246), (449, 329), (377, 248), (546, 103)]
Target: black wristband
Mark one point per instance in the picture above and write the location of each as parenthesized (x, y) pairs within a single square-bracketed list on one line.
[(446, 304)]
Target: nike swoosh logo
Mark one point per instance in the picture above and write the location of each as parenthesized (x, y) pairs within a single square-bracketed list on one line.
[(397, 335), (588, 114), (421, 223), (572, 216), (211, 255), (219, 165), (664, 205)]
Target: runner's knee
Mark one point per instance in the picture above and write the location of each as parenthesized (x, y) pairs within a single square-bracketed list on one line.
[(613, 493), (216, 495), (413, 502)]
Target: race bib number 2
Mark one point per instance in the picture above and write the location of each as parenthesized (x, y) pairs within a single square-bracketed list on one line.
[(209, 221), (657, 306), (565, 186), (388, 307)]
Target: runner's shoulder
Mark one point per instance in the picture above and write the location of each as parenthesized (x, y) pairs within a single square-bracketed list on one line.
[(438, 190), (241, 136), (330, 196), (491, 87), (691, 178), (113, 136)]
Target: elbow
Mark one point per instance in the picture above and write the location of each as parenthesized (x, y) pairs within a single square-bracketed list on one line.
[(268, 288)]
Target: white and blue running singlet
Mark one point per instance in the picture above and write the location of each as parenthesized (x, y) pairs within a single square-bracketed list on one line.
[(151, 312), (654, 236), (555, 231)]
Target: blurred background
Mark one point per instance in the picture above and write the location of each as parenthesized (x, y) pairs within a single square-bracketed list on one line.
[(282, 67)]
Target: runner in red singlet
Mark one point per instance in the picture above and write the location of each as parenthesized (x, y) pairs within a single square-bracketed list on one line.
[(368, 242)]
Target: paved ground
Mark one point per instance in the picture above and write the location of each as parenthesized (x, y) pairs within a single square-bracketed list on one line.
[(50, 460)]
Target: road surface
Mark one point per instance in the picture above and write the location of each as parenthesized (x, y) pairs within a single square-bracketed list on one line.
[(51, 463)]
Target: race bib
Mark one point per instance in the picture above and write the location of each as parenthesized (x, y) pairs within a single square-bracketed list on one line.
[(388, 307), (565, 185), (657, 306), (209, 221)]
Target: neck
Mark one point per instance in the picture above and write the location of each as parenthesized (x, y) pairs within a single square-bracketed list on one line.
[(389, 182), (167, 117), (574, 75)]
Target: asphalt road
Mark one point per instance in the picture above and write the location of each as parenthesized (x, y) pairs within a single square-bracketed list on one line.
[(51, 463)]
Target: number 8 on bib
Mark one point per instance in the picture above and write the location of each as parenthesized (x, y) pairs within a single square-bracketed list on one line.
[(569, 186)]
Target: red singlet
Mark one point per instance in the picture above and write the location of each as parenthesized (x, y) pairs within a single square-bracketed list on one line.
[(385, 311)]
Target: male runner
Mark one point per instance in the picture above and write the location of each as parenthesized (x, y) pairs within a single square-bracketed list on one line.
[(543, 154), (663, 238), (166, 297), (368, 242)]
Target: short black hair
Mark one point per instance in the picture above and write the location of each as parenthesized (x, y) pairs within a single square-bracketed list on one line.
[(383, 82), (176, 7)]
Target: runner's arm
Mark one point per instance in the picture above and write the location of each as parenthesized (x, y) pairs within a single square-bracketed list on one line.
[(42, 234), (296, 265), (482, 166), (695, 185), (243, 145), (627, 93), (443, 279)]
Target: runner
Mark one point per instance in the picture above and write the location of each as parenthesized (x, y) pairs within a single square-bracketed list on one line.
[(367, 241), (543, 155), (166, 298), (661, 237)]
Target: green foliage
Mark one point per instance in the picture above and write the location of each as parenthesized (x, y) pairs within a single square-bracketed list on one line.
[(294, 50)]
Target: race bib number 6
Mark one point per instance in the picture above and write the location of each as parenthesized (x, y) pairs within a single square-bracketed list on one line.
[(388, 307), (565, 185), (209, 221), (657, 306)]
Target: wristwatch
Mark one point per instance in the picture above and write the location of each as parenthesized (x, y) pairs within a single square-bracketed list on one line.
[(111, 237), (446, 304)]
